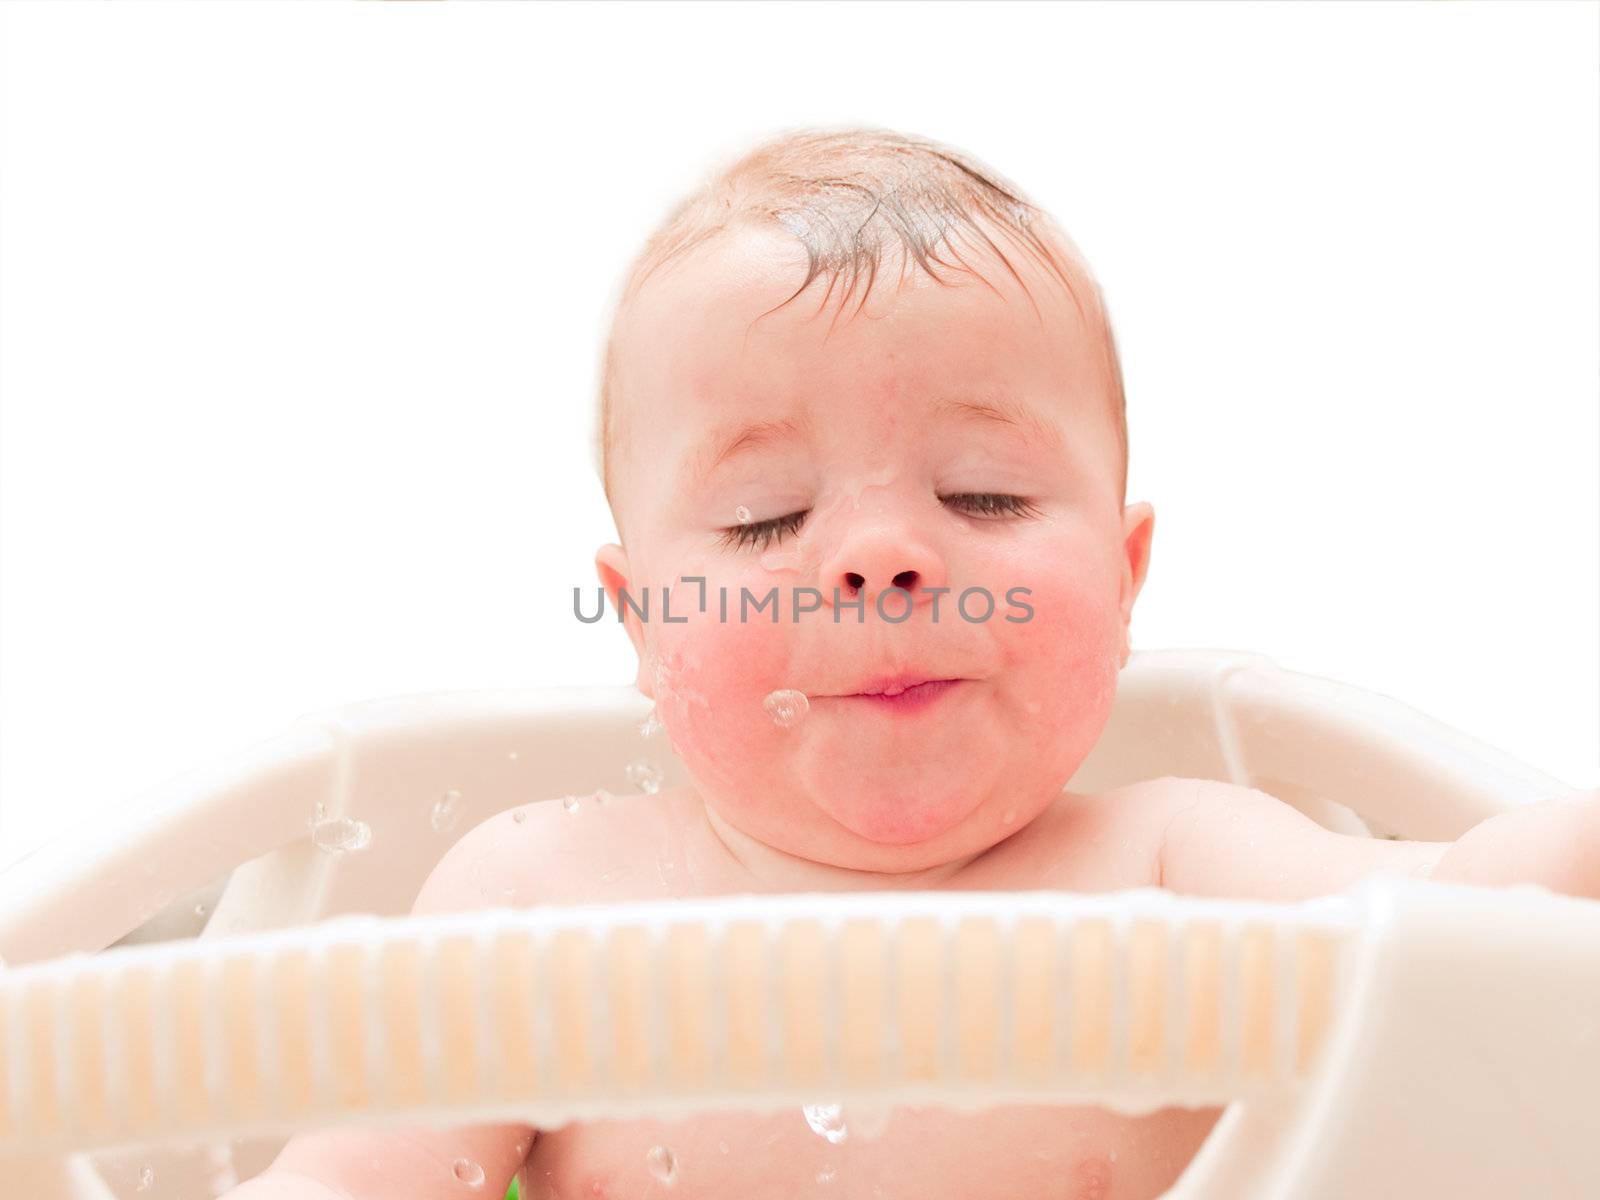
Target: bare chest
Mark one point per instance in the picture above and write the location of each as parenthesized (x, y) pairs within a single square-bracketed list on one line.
[(1033, 1152), (1017, 1152)]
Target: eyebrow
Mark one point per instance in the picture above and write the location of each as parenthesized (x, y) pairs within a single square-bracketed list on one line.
[(989, 408), (728, 444), (1001, 410)]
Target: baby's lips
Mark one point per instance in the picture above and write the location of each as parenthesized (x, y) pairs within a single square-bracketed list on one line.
[(893, 685)]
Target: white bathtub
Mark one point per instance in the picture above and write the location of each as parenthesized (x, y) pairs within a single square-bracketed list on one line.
[(1465, 1022)]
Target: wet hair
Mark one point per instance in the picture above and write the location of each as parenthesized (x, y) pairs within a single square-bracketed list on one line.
[(848, 195)]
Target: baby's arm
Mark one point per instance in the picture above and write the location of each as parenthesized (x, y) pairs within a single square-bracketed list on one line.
[(1554, 842), (357, 1162), (1225, 840)]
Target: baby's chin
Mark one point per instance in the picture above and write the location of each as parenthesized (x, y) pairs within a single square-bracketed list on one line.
[(913, 835), (899, 858), (900, 820)]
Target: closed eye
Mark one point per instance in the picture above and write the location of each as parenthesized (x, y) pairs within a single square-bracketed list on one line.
[(992, 504), (761, 534)]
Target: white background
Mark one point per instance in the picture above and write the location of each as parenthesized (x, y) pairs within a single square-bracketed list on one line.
[(302, 308)]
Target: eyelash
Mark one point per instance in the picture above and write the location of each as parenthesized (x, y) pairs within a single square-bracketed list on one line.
[(763, 533)]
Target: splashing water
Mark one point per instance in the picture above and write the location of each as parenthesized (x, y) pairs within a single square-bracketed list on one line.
[(662, 1165), (786, 707), (468, 1172), (147, 1176), (339, 835), (645, 776), (826, 1120), (651, 724), (446, 811)]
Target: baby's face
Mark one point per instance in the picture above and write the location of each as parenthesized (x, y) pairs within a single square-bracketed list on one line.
[(864, 441)]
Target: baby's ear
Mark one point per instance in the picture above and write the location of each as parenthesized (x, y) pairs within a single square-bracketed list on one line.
[(611, 564), (1138, 527)]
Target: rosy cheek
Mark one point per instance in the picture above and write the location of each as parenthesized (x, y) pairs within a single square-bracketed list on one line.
[(712, 678), (1064, 658)]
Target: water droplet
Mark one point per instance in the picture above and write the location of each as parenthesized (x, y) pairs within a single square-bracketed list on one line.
[(468, 1172), (600, 798), (741, 514), (512, 756), (645, 776), (338, 835), (826, 1120), (662, 1165), (868, 1121), (570, 803), (147, 1176), (1112, 1156), (786, 707), (446, 811), (722, 1146), (1009, 817), (827, 1174), (610, 876), (650, 725), (199, 910), (520, 815)]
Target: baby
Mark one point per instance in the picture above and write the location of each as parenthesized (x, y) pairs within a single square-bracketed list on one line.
[(927, 461)]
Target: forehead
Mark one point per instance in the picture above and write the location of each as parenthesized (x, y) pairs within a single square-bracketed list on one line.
[(710, 340)]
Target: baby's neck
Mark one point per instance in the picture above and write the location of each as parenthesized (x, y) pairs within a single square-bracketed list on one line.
[(774, 870)]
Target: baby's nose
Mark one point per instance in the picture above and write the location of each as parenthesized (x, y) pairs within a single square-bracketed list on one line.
[(904, 579), (880, 556)]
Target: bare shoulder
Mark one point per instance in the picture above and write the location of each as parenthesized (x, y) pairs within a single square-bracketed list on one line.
[(549, 852), (1146, 810), (1091, 841), (1224, 839), (1171, 797), (1116, 838), (1122, 837)]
